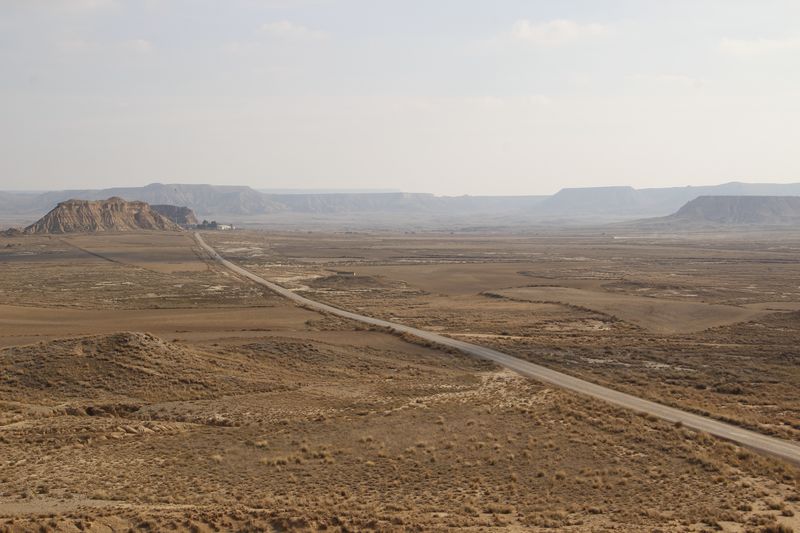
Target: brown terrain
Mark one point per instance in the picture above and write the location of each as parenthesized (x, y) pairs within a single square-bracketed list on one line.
[(144, 387), (663, 318)]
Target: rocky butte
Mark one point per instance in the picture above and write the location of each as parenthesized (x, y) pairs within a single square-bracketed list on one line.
[(114, 214)]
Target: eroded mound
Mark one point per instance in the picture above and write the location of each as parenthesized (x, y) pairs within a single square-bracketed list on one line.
[(121, 367)]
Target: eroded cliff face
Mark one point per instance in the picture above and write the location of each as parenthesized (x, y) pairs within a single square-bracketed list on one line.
[(177, 214), (114, 214)]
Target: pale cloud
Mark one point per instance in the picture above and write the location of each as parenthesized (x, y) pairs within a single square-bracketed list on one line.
[(240, 47), (284, 29), (496, 102), (680, 80), (556, 32), (75, 45), (61, 5), (486, 102), (78, 46), (481, 103), (756, 47), (140, 46), (281, 30), (87, 4), (537, 100)]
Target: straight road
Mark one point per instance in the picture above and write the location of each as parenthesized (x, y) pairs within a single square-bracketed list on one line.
[(750, 439)]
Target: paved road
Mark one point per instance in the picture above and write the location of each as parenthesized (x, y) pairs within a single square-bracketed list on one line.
[(755, 441)]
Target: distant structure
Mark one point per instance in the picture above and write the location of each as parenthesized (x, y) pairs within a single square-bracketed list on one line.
[(214, 225)]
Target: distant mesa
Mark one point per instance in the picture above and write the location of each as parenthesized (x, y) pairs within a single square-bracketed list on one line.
[(114, 214), (594, 200), (240, 203), (627, 202)]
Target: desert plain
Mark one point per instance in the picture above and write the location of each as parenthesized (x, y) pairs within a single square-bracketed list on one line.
[(146, 387)]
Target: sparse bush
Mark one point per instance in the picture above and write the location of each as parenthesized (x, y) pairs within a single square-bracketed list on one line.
[(499, 508), (777, 528), (774, 505)]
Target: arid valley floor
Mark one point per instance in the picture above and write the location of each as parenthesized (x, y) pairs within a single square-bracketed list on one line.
[(143, 386)]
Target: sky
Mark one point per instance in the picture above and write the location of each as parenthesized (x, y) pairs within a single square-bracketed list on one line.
[(443, 96)]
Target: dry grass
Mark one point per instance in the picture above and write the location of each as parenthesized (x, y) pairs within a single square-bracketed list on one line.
[(745, 373), (316, 424)]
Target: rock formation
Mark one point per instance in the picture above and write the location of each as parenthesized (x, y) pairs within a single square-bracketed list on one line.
[(179, 215), (114, 214)]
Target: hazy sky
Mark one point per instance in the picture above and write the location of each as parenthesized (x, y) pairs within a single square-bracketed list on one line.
[(444, 96)]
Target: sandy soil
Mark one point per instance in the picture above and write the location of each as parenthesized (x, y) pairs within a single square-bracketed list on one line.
[(737, 365), (163, 252), (660, 315), (452, 279), (133, 429), (22, 325), (237, 411), (116, 272)]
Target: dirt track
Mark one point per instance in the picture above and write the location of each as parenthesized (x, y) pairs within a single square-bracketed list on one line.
[(750, 439)]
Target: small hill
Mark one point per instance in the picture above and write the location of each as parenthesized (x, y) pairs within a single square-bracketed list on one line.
[(122, 367), (179, 215), (114, 214), (756, 210), (718, 212)]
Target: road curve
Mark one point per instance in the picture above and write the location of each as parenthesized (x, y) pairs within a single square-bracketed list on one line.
[(750, 439)]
